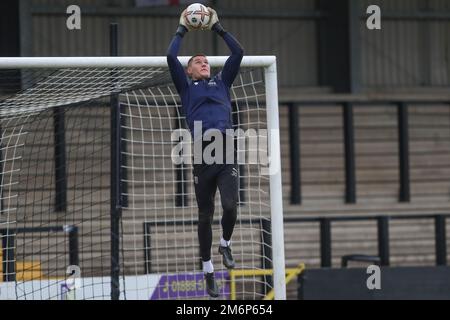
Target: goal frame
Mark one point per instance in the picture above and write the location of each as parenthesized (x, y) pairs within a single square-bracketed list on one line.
[(271, 92)]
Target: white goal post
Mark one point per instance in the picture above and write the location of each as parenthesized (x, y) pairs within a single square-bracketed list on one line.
[(268, 63)]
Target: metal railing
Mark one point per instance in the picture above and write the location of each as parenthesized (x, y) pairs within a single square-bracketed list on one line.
[(8, 237), (348, 103), (265, 237), (325, 225)]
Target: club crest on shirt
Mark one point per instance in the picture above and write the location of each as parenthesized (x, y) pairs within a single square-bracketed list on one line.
[(212, 83)]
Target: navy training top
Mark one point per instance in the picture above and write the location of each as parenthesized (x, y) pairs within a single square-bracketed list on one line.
[(206, 100)]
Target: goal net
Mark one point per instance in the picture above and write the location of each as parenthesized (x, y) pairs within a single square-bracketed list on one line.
[(95, 203)]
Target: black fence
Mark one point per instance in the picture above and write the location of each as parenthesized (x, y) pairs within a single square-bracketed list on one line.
[(265, 237), (383, 258), (8, 237), (325, 225), (348, 103)]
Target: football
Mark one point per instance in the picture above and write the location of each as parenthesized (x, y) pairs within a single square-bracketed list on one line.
[(197, 15)]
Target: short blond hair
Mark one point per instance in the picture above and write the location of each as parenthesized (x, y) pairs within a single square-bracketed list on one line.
[(196, 55)]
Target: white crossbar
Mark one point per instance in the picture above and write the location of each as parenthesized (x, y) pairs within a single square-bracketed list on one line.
[(116, 62)]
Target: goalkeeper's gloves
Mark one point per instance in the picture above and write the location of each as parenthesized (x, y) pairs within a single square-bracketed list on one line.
[(183, 26), (214, 23)]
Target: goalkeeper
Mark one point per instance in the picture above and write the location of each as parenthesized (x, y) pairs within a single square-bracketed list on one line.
[(208, 100)]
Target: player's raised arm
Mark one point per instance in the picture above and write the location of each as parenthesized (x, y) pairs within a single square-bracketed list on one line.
[(175, 67), (231, 67)]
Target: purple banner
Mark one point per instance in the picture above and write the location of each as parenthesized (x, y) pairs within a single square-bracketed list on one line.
[(190, 285)]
